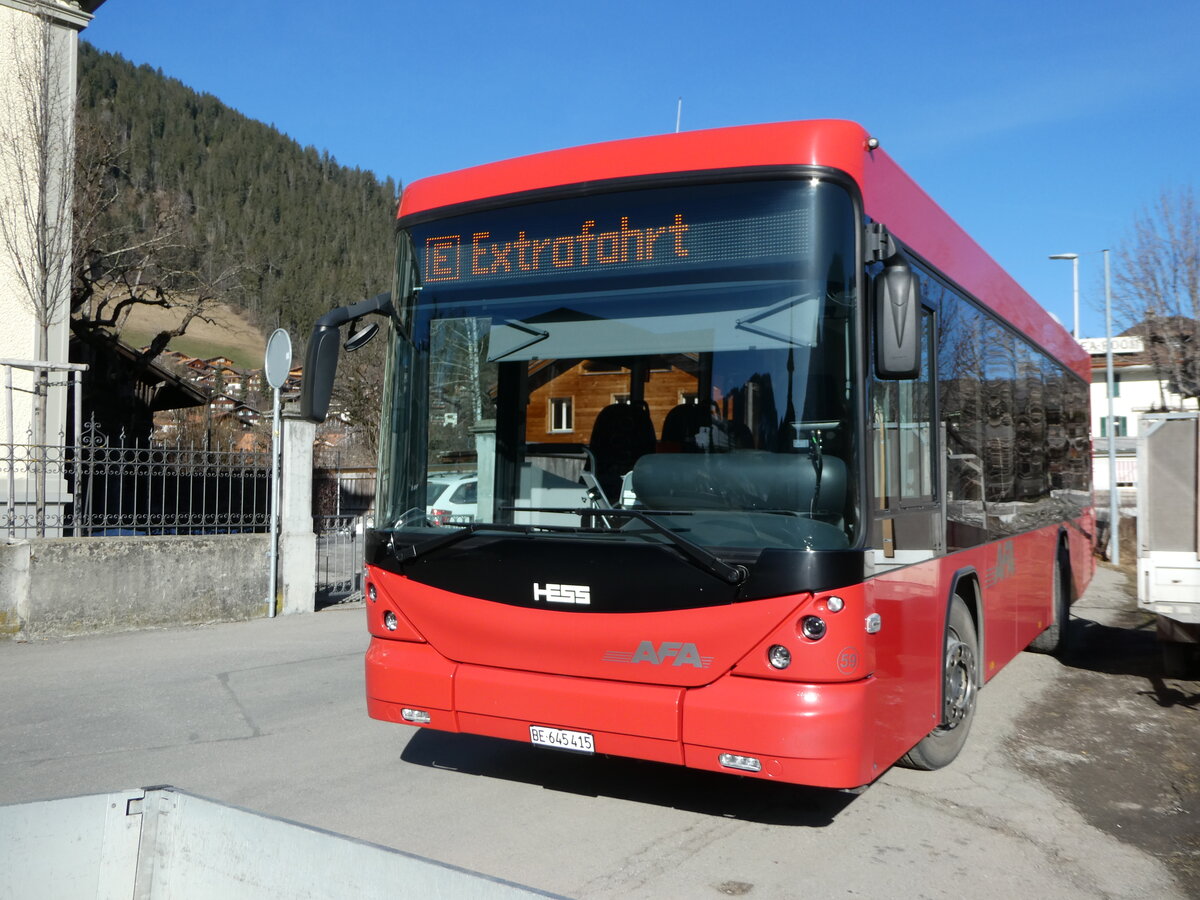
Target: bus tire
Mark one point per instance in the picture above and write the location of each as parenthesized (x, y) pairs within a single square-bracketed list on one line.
[(1054, 639), (960, 686)]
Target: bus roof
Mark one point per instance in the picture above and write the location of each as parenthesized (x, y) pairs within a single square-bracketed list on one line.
[(890, 196)]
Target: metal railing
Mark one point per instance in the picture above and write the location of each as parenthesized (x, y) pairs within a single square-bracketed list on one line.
[(342, 502), (339, 559), (96, 488), (344, 491)]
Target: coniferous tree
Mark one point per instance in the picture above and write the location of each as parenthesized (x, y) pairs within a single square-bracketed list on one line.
[(302, 233)]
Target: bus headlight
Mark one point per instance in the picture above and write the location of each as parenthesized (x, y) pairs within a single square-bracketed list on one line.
[(389, 620), (812, 627), (779, 656)]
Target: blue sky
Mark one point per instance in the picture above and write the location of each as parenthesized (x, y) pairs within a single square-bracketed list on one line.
[(1042, 127)]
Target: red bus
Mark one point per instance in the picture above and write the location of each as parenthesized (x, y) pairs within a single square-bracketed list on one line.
[(760, 464)]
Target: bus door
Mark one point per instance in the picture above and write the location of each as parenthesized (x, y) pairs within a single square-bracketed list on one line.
[(907, 529)]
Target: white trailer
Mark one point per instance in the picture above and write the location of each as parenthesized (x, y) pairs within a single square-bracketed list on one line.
[(158, 843), (1168, 564)]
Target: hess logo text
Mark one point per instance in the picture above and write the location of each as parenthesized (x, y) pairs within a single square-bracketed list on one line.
[(579, 594)]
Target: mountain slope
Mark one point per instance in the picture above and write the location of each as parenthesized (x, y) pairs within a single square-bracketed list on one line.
[(308, 233)]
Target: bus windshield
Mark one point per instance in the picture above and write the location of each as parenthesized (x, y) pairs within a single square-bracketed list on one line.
[(686, 354)]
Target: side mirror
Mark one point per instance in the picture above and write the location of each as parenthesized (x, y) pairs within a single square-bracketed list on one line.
[(897, 297), (320, 365), (362, 337), (321, 358)]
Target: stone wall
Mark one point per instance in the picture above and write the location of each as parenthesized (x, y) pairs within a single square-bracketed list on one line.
[(69, 586)]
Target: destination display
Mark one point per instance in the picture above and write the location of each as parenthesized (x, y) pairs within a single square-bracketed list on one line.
[(656, 229), (445, 257)]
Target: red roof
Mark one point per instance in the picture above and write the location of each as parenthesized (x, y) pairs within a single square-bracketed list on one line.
[(889, 194)]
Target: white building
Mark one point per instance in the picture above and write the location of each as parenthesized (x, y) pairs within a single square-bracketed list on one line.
[(1136, 390), (38, 59)]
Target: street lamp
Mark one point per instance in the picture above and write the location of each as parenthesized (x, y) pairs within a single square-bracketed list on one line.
[(1074, 257), (1114, 511)]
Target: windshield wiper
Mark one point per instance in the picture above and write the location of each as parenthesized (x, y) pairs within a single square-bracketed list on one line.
[(424, 548), (707, 561), (696, 554)]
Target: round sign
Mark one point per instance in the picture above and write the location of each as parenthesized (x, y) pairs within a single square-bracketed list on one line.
[(847, 660), (279, 358)]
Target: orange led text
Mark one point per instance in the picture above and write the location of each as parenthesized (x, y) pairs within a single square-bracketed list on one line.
[(588, 247)]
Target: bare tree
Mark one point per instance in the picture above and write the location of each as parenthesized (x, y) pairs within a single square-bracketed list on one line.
[(200, 430), (461, 383), (136, 250), (1156, 288), (36, 150), (358, 397)]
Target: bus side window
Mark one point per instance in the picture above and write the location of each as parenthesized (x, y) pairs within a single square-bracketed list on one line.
[(903, 434)]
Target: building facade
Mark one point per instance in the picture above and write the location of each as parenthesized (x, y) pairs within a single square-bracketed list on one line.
[(38, 60), (1137, 390)]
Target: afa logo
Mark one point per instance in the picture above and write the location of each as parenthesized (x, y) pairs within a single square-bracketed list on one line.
[(1006, 564), (675, 652)]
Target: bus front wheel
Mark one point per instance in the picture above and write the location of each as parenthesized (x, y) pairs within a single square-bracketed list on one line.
[(960, 685), (1054, 640)]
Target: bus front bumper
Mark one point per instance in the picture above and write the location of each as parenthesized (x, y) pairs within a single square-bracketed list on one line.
[(813, 734)]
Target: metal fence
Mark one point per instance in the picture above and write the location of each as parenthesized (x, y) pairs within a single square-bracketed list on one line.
[(343, 501), (348, 491), (96, 488), (339, 559)]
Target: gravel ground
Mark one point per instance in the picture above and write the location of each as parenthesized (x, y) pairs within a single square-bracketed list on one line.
[(1115, 738)]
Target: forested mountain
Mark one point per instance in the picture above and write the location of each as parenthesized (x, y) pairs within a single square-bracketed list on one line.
[(303, 233)]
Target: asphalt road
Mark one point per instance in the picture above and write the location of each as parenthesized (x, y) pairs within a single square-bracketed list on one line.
[(269, 715)]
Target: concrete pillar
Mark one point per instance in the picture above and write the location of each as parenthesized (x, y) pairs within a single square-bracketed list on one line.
[(15, 559), (485, 455), (297, 542)]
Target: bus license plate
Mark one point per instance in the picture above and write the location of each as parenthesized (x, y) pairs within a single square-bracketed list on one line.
[(579, 741)]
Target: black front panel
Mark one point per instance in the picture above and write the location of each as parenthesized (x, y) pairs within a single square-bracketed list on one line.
[(779, 572), (618, 577)]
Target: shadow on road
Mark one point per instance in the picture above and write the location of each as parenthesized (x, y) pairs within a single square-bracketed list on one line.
[(1119, 739), (1129, 648), (1167, 696), (707, 793)]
